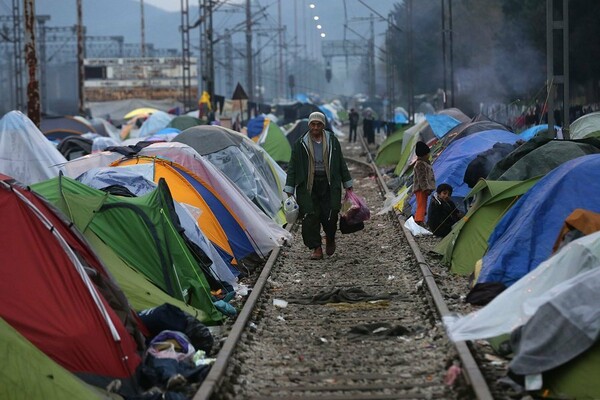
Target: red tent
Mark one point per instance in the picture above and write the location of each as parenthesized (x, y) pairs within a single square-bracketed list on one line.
[(48, 295)]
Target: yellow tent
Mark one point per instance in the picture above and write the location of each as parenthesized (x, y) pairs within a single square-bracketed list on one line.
[(184, 192)]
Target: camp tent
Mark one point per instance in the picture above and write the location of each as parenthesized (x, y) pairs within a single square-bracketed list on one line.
[(132, 179), (560, 340), (525, 235), (270, 137), (585, 126), (515, 306), (266, 233), (243, 162), (467, 242), (540, 157), (58, 128), (48, 296), (25, 154), (28, 373), (142, 232), (220, 225), (182, 122), (452, 162)]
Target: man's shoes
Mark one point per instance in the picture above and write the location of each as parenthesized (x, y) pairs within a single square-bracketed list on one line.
[(317, 254), (329, 246)]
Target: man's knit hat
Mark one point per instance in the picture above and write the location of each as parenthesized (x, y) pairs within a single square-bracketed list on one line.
[(422, 149), (316, 116)]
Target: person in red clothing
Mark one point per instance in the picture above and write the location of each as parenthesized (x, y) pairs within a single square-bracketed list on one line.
[(423, 181)]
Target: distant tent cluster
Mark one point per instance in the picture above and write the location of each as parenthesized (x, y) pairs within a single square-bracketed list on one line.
[(528, 238)]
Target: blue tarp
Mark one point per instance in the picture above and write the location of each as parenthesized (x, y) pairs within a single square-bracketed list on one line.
[(255, 126), (327, 113), (534, 130), (440, 124), (525, 235), (302, 98)]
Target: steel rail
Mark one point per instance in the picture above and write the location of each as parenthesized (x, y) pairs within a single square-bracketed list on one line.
[(218, 369), (470, 369)]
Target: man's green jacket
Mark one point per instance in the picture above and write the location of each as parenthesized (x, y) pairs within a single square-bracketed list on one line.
[(300, 164)]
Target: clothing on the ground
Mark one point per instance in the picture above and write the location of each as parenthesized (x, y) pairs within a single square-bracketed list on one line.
[(442, 214)]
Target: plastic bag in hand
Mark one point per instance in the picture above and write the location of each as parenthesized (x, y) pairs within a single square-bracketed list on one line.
[(354, 208)]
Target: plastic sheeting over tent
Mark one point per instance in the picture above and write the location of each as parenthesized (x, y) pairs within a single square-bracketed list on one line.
[(25, 153), (266, 233), (561, 339), (525, 235), (515, 306), (243, 162)]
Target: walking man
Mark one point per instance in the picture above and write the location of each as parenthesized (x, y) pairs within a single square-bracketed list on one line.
[(316, 173)]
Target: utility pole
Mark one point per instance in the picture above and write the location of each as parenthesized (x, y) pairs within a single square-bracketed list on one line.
[(185, 53), (33, 88), (372, 59), (17, 60), (250, 81), (410, 86), (41, 20), (142, 25), (80, 58), (444, 87), (553, 79), (280, 83)]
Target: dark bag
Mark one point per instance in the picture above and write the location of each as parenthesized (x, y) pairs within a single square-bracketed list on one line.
[(345, 227)]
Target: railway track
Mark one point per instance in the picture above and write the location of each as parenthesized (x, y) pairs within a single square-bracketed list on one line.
[(364, 323)]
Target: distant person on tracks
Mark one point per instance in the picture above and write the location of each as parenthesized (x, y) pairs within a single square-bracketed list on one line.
[(316, 174), (353, 117), (423, 181)]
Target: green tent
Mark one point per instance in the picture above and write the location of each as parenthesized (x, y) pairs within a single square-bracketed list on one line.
[(273, 140), (390, 150), (28, 373), (182, 122), (467, 242), (141, 232), (577, 378), (141, 292)]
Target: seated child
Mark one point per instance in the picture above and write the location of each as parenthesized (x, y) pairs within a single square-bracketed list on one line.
[(442, 212)]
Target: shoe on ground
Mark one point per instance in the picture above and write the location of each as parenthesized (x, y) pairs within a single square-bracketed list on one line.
[(329, 246), (317, 254)]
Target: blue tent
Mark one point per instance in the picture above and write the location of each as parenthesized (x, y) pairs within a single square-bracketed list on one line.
[(452, 163), (441, 124), (525, 235)]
